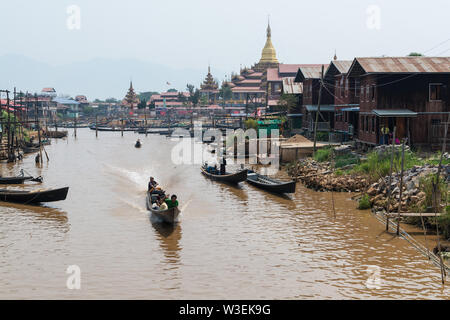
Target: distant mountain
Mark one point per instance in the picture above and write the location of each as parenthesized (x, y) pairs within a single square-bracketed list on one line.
[(97, 78)]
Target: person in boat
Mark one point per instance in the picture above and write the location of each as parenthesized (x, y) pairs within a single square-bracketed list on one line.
[(152, 184), (223, 166), (172, 202), (163, 205)]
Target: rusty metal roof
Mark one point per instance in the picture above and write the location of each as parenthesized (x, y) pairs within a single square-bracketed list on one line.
[(291, 87), (342, 65), (310, 72), (404, 64)]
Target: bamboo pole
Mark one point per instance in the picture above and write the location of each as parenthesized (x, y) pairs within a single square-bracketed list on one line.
[(436, 198), (390, 180), (401, 187), (317, 112), (38, 127)]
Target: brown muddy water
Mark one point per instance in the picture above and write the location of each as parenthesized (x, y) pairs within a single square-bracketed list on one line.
[(231, 243)]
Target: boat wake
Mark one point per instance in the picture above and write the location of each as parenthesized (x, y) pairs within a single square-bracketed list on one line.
[(139, 179), (139, 208)]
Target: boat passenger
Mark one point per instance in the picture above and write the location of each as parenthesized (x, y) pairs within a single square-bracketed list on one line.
[(152, 184), (163, 205), (172, 202)]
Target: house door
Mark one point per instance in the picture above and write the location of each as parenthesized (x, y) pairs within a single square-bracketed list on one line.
[(401, 128)]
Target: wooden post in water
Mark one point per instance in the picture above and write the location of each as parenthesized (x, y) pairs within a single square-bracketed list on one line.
[(436, 199), (390, 179), (96, 129), (401, 188), (317, 113), (145, 115), (38, 126), (122, 126), (9, 126)]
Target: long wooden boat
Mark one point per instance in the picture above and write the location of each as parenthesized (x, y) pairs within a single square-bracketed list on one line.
[(14, 180), (34, 196), (167, 216), (237, 177), (270, 184)]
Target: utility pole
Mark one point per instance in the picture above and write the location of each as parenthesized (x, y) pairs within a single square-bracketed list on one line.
[(317, 112)]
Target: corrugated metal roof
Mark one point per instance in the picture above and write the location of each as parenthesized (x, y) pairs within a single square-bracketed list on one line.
[(324, 108), (394, 113), (342, 65), (310, 72), (291, 87), (65, 101), (405, 64)]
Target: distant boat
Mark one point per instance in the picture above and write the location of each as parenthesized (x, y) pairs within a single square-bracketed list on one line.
[(18, 180), (237, 177), (168, 216), (34, 196), (270, 184), (138, 144)]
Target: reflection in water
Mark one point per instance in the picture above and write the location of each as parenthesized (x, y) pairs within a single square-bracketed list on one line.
[(169, 237), (39, 214)]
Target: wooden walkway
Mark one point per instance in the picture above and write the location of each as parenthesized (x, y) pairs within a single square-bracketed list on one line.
[(413, 214)]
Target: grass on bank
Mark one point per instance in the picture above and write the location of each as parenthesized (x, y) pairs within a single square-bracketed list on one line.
[(325, 154)]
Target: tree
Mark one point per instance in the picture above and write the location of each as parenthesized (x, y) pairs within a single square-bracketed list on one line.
[(225, 91), (142, 104), (415, 54), (289, 102), (111, 100), (146, 95), (172, 90), (182, 97), (194, 94)]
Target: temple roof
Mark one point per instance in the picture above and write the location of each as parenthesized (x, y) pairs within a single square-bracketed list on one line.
[(269, 54), (209, 83)]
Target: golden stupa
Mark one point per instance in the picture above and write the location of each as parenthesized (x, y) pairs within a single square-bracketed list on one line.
[(269, 54)]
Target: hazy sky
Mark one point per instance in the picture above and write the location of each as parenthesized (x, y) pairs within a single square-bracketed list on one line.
[(191, 34)]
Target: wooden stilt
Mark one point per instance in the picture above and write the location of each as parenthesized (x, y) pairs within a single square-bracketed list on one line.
[(390, 180)]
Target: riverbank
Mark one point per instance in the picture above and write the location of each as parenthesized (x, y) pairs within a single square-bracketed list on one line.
[(343, 170)]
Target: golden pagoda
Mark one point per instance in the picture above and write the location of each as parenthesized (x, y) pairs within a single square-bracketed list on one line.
[(268, 56)]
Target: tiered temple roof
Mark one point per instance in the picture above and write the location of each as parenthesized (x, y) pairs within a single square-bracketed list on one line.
[(131, 99), (209, 84)]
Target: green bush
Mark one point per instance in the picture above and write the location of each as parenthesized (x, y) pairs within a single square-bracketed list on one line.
[(364, 203), (377, 166), (323, 155), (345, 160), (323, 136), (444, 223)]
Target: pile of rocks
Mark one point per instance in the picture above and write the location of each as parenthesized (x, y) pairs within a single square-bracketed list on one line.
[(411, 194), (320, 177)]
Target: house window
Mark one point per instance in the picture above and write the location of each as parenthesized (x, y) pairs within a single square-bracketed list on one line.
[(373, 124), (342, 87), (436, 91), (357, 88), (362, 93), (372, 92), (367, 124)]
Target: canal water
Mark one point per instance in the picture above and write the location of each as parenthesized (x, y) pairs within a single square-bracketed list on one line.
[(231, 243)]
